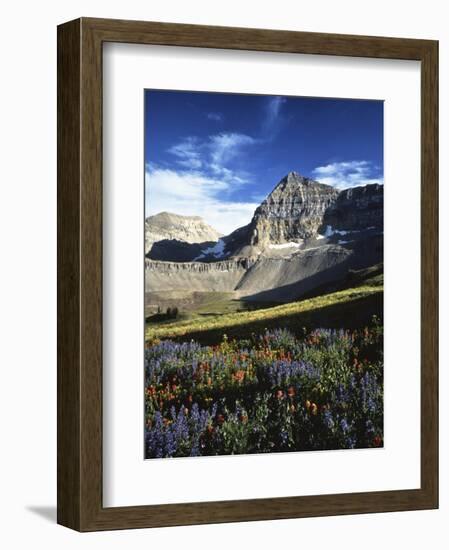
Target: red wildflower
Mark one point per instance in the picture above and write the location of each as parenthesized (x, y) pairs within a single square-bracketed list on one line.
[(239, 375)]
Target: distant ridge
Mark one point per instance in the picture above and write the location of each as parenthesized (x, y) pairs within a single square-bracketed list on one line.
[(167, 226)]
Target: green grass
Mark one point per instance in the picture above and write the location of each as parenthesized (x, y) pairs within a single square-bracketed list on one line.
[(199, 305), (347, 308), (219, 303)]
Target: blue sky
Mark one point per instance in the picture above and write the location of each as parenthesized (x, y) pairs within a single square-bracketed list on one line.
[(219, 155)]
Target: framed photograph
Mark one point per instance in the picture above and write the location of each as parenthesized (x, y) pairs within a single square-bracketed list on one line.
[(247, 274)]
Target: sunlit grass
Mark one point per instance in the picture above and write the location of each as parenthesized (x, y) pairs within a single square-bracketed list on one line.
[(269, 315)]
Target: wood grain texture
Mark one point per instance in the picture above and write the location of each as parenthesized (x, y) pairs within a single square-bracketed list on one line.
[(91, 276), (144, 32), (69, 407), (429, 271), (80, 274)]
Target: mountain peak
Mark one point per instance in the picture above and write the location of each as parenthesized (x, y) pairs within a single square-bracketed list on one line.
[(292, 211), (294, 180), (294, 177)]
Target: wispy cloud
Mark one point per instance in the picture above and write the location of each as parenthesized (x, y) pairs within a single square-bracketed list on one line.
[(188, 153), (348, 174), (192, 193), (201, 181), (213, 155), (226, 146), (216, 117), (273, 118)]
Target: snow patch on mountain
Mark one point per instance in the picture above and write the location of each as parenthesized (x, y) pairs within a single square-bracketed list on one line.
[(330, 232), (217, 250), (290, 244)]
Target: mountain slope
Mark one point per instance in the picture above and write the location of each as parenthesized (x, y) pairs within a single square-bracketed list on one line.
[(348, 308), (265, 278)]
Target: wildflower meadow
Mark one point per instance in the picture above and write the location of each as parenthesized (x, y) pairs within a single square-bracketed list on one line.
[(277, 391)]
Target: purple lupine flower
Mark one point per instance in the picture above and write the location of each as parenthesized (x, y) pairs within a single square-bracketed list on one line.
[(328, 420), (344, 425)]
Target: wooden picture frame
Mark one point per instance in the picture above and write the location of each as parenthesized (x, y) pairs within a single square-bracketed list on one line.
[(80, 504)]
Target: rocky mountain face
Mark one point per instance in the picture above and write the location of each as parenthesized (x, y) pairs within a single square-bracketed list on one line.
[(303, 235), (221, 276), (172, 227), (357, 209), (300, 210), (265, 279), (292, 211)]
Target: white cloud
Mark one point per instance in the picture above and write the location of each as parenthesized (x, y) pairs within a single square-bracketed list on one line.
[(273, 119), (224, 147), (211, 155), (236, 178), (274, 106), (188, 153), (348, 174), (192, 193), (203, 177), (216, 117)]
